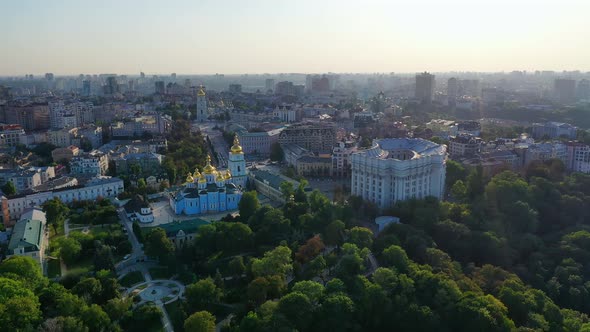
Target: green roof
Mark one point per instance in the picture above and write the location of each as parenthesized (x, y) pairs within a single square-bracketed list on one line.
[(27, 234), (188, 226)]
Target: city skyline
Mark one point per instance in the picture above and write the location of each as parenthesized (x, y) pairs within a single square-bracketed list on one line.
[(70, 38)]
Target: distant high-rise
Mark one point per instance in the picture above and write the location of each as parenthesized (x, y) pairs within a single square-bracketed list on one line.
[(565, 90), (269, 85), (235, 88), (86, 88), (160, 87), (112, 86), (187, 83), (49, 76), (285, 88), (583, 89), (142, 75), (173, 76), (424, 87), (131, 85), (452, 90)]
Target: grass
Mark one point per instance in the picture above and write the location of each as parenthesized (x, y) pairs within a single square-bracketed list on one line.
[(53, 268), (81, 266), (131, 279), (176, 314), (160, 273)]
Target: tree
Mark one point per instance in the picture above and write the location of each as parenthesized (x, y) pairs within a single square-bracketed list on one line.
[(336, 313), (481, 313), (310, 249), (118, 308), (333, 235), (455, 172), (19, 307), (24, 269), (158, 245), (137, 231), (96, 319), (144, 318), (69, 249), (55, 212), (236, 266), (201, 321), (276, 152), (297, 309), (103, 258), (459, 191), (202, 294), (275, 262), (361, 236), (61, 323), (313, 290), (396, 256), (9, 188), (248, 205), (89, 289), (287, 189)]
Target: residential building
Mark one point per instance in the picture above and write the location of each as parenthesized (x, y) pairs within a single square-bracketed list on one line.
[(464, 145), (144, 163), (544, 152), (29, 116), (397, 169), (93, 163), (11, 134), (424, 87), (235, 88), (60, 154), (341, 158), (578, 157), (22, 179)]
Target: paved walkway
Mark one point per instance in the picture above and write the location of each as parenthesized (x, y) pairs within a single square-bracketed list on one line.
[(160, 292)]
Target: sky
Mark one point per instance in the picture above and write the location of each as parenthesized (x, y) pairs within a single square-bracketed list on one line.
[(70, 37)]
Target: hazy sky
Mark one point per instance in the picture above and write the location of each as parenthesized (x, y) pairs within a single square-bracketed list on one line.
[(260, 36)]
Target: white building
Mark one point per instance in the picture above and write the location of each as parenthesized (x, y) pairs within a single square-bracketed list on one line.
[(106, 187), (93, 163), (399, 169), (578, 157), (554, 130)]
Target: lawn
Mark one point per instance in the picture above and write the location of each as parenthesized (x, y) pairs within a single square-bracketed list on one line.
[(131, 279), (82, 266), (176, 314), (160, 273), (53, 268)]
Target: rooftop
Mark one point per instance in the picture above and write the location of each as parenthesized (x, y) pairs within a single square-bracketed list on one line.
[(26, 233)]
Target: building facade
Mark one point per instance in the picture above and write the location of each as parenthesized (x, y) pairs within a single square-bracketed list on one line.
[(315, 137), (464, 145), (399, 169), (578, 157), (202, 110)]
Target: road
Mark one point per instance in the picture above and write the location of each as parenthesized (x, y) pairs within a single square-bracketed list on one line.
[(136, 262), (216, 137)]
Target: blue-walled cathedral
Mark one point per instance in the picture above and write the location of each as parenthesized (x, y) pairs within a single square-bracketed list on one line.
[(212, 190)]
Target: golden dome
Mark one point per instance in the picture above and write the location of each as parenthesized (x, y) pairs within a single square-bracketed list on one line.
[(202, 179), (208, 169), (189, 178), (201, 92), (196, 174), (236, 148), (227, 175), (220, 177)]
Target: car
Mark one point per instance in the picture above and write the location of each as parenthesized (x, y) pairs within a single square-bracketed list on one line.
[(126, 257)]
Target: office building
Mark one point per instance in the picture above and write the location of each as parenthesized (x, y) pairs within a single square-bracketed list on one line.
[(554, 130), (578, 157), (315, 137), (160, 87), (397, 169)]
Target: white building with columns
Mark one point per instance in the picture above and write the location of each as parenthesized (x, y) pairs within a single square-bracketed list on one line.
[(397, 169)]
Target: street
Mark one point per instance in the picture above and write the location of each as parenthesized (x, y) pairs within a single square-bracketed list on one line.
[(216, 137)]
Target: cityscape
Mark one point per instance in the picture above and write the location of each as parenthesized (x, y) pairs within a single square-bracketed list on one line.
[(433, 191)]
